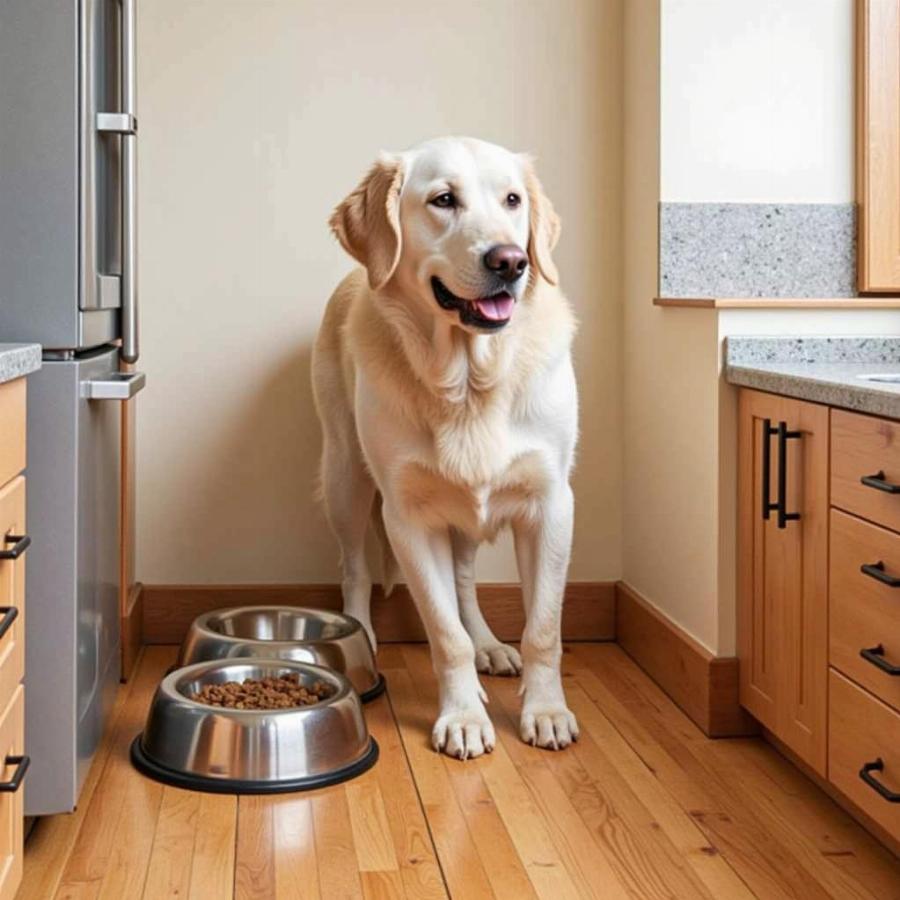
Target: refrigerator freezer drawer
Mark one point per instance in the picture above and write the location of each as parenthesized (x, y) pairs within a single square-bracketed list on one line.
[(72, 642)]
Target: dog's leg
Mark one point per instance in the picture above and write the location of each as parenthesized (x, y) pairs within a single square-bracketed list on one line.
[(349, 492), (542, 549), (491, 656), (463, 728)]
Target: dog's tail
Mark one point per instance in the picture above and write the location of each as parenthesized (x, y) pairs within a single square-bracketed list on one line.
[(390, 568)]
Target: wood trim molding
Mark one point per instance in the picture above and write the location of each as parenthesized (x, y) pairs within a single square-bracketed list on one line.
[(778, 302), (132, 630), (168, 610), (703, 685)]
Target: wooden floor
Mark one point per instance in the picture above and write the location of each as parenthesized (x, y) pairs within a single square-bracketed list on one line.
[(644, 806)]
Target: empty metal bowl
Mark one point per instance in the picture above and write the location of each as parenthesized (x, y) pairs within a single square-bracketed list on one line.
[(314, 636), (193, 745)]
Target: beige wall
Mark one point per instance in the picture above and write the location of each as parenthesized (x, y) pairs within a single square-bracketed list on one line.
[(670, 389), (257, 116)]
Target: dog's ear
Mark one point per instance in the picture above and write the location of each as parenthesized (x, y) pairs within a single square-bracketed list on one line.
[(367, 222), (543, 225)]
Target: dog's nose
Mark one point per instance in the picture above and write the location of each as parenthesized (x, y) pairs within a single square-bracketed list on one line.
[(507, 261)]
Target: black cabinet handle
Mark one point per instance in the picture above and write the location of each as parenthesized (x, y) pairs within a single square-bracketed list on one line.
[(866, 774), (21, 763), (878, 482), (20, 543), (875, 655), (781, 503), (8, 614), (767, 432), (876, 571)]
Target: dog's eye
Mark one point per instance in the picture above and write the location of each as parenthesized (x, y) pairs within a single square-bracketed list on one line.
[(513, 200), (447, 200)]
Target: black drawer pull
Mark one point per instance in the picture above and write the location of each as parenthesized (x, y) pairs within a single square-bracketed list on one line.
[(875, 655), (21, 763), (878, 482), (876, 571), (767, 432), (866, 774), (783, 437), (8, 614), (20, 543)]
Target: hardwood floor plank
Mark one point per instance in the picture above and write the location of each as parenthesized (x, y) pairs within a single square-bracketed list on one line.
[(414, 850), (686, 838), (637, 852), (212, 865), (514, 802), (368, 821), (644, 807), (460, 863), (254, 875), (382, 885), (774, 780), (97, 846), (338, 873), (53, 837), (170, 864), (731, 821), (573, 839), (501, 862), (296, 866)]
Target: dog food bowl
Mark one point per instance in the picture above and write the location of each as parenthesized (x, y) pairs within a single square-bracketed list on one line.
[(314, 636), (251, 751)]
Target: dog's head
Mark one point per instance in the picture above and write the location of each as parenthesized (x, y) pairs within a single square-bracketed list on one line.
[(462, 225)]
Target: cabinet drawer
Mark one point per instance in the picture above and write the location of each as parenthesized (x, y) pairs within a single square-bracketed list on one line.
[(12, 590), (12, 429), (863, 730), (866, 447), (12, 734), (864, 612)]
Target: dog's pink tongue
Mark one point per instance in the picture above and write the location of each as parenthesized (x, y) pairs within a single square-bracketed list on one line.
[(497, 309)]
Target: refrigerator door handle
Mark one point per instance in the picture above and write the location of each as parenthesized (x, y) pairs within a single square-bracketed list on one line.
[(117, 386), (130, 345)]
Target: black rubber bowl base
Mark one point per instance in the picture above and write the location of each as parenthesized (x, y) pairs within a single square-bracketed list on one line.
[(374, 692), (154, 770)]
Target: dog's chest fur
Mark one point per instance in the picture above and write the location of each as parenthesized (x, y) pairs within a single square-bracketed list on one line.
[(479, 459)]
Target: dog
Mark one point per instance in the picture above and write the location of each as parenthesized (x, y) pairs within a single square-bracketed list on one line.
[(443, 380)]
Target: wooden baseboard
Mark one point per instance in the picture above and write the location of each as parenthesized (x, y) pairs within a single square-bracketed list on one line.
[(703, 685), (168, 610), (132, 630)]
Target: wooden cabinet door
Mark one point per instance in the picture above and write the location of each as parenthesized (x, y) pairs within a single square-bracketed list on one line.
[(783, 569), (878, 144)]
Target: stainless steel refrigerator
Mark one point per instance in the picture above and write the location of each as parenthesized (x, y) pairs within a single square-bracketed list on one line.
[(68, 135)]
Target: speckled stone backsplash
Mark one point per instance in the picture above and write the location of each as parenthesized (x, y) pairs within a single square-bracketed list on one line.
[(757, 250), (867, 350)]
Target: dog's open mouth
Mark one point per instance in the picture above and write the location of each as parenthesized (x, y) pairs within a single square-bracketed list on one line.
[(484, 312)]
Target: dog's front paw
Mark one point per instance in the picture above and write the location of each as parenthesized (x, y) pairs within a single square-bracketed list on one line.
[(498, 659), (551, 727), (464, 733)]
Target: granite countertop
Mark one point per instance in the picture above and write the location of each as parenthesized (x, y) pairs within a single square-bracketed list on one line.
[(17, 360), (823, 370)]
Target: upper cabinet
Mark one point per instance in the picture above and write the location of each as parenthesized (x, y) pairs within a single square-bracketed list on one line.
[(878, 145)]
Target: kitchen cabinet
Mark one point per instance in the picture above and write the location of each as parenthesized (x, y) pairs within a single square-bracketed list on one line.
[(783, 569), (14, 541), (878, 145)]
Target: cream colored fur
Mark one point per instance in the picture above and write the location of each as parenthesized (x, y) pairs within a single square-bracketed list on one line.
[(458, 433)]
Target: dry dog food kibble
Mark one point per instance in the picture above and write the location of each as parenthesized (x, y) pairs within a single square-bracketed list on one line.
[(267, 693)]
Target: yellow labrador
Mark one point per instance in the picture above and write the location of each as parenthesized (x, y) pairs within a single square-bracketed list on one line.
[(444, 383)]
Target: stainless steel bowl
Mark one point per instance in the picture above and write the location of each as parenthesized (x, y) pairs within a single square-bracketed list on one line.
[(194, 745), (314, 636)]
